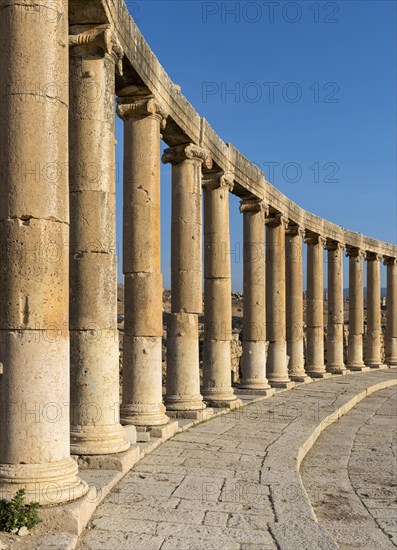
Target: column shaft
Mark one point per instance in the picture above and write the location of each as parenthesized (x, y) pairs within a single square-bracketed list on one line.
[(253, 364), (373, 357), (143, 324), (315, 366), (94, 353), (277, 362), (391, 322), (217, 371), (294, 298), (34, 270), (356, 310), (335, 363), (183, 375)]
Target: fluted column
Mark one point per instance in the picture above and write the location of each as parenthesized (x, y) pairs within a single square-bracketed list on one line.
[(253, 363), (391, 321), (335, 363), (94, 349), (356, 310), (277, 362), (294, 300), (183, 376), (34, 266), (217, 372), (315, 366), (143, 324), (373, 357)]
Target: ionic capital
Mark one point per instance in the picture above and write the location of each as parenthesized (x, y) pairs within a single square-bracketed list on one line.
[(354, 252), (274, 220), (314, 239), (390, 261), (102, 38), (294, 230), (333, 246), (254, 206), (139, 107), (187, 151), (373, 256), (218, 180)]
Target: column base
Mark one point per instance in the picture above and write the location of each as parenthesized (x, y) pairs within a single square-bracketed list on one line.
[(301, 378), (377, 366), (143, 415), (319, 374), (221, 400), (254, 384), (97, 440), (245, 391), (391, 363), (184, 403), (283, 385), (338, 370), (47, 484), (202, 414), (357, 367)]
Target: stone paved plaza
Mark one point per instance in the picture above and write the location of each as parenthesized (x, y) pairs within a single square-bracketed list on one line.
[(232, 482)]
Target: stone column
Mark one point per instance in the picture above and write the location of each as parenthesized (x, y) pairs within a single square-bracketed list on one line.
[(34, 270), (217, 372), (315, 366), (277, 361), (335, 363), (294, 295), (391, 303), (143, 324), (183, 376), (94, 349), (253, 361), (373, 357), (356, 310)]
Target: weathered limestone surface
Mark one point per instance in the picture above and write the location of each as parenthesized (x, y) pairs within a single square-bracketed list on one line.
[(217, 380), (253, 364), (373, 350), (34, 271), (315, 366), (142, 378), (294, 301), (356, 310), (335, 363), (277, 361), (183, 377), (94, 354), (391, 324)]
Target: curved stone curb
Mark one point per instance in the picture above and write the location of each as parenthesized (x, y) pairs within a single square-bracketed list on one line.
[(296, 526)]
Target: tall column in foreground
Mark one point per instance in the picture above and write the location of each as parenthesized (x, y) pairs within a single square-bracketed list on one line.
[(217, 373), (143, 321), (94, 349), (183, 375), (391, 322), (356, 310), (315, 366), (277, 362), (373, 357), (34, 266), (253, 364), (335, 363), (294, 295)]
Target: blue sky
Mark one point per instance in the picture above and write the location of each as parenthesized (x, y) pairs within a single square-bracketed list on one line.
[(307, 90)]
